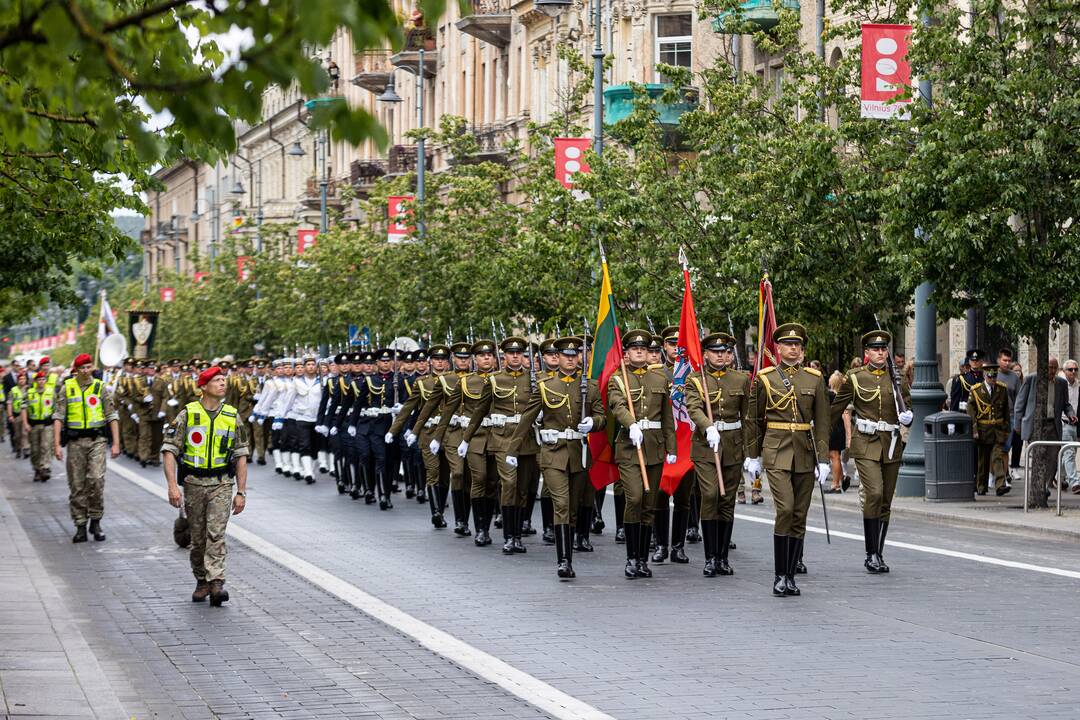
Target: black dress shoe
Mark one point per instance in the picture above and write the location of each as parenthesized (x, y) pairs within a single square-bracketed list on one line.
[(779, 587), (642, 569), (710, 567), (438, 521), (723, 567), (630, 570), (549, 536), (497, 521), (598, 526), (519, 547), (461, 529), (409, 493), (678, 555), (369, 498), (620, 534), (527, 528), (582, 544), (261, 461), (661, 554), (871, 563), (508, 546), (1003, 490), (693, 535)]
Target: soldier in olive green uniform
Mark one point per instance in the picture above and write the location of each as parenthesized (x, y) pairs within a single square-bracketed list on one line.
[(83, 417), (671, 527), (643, 409), (142, 401), (988, 408), (727, 432), (448, 432), (564, 454), (549, 367), (129, 430), (791, 439), (255, 423), (876, 444), (436, 467), (504, 402), (205, 446), (484, 479)]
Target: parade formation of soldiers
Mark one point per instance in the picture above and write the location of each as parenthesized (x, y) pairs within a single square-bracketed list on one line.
[(475, 430)]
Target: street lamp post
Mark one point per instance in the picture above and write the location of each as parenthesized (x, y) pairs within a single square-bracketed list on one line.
[(421, 160), (238, 189)]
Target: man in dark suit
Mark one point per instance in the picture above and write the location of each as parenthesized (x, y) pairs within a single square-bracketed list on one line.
[(1057, 406)]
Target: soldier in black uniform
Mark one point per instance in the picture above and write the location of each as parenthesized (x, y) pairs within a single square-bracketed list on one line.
[(961, 386), (372, 417)]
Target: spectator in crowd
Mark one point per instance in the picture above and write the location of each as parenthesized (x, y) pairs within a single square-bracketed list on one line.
[(816, 364), (1017, 443), (1068, 426), (1012, 384), (855, 363), (900, 360), (1057, 406), (839, 439)]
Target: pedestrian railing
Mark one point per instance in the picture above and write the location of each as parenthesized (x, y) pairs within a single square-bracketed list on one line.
[(1025, 460)]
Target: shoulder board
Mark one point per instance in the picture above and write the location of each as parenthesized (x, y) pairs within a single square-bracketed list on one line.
[(813, 371), (656, 366), (771, 368), (998, 382)]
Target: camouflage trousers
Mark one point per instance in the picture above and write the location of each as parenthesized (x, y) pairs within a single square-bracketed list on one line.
[(208, 508), (41, 447), (86, 478)]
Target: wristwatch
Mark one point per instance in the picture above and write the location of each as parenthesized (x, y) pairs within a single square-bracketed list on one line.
[(241, 493)]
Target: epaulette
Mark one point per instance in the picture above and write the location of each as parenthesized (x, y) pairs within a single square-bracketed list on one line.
[(656, 366), (813, 371), (998, 382), (771, 368)]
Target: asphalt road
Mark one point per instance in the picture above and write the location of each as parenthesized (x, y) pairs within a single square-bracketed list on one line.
[(340, 610)]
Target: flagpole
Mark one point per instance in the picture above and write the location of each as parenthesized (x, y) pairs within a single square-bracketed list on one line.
[(705, 384)]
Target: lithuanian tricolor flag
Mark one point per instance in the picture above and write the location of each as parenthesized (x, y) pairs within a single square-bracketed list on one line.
[(603, 363)]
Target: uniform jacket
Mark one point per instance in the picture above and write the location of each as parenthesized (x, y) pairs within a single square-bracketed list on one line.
[(558, 398), (780, 447), (871, 392), (729, 396), (649, 391)]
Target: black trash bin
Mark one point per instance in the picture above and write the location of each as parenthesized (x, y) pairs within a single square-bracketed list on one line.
[(950, 457)]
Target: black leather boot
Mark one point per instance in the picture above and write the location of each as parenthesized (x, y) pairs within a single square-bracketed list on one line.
[(547, 516), (708, 531), (507, 528), (661, 524), (519, 529), (643, 551), (692, 534), (598, 511), (800, 568), (632, 531), (497, 520), (80, 534), (794, 552), (779, 549), (436, 516), (461, 514), (881, 545), (679, 537), (95, 529), (620, 506), (479, 508), (564, 552), (723, 544), (526, 517), (584, 523), (870, 544)]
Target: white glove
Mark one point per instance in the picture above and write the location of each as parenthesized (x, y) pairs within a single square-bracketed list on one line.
[(906, 417), (352, 431), (172, 402), (434, 447), (396, 409), (671, 459), (388, 438), (636, 436), (712, 436), (585, 425), (511, 460), (256, 397), (463, 448), (161, 414), (333, 431), (823, 473), (251, 419), (277, 425), (322, 430), (410, 438), (752, 466), (135, 418), (148, 399)]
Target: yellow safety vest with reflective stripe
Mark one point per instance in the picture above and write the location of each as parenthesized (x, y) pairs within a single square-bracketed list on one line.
[(209, 439), (85, 409), (39, 404), (17, 399)]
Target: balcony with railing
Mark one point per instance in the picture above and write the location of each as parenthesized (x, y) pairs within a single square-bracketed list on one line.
[(491, 140), (762, 14), (489, 21), (402, 160), (417, 39), (312, 197), (363, 174), (372, 70)]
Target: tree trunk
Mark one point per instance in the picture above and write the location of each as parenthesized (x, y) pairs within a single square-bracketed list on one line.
[(1044, 461)]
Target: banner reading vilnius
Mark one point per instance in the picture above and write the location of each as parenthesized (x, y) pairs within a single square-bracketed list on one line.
[(305, 239), (399, 225), (886, 72), (569, 161), (689, 360), (603, 363)]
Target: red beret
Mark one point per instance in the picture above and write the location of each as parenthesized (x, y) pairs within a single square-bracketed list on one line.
[(40, 375), (208, 374), (82, 359), (44, 360)]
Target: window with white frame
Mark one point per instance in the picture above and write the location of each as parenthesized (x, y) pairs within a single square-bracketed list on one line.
[(674, 41)]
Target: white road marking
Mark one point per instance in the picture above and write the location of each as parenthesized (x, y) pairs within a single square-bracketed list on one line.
[(986, 559), (532, 690)]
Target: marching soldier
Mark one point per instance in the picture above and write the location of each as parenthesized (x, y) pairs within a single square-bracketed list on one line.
[(15, 409), (564, 455), (85, 421), (142, 401), (301, 408), (412, 464), (422, 431), (483, 476), (790, 404), (449, 430), (641, 405), (124, 396), (876, 443), (671, 533), (728, 433), (325, 448), (257, 424), (40, 398), (372, 416), (988, 408), (549, 367), (205, 447)]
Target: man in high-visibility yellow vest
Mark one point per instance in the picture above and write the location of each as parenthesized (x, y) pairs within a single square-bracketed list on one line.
[(16, 409), (203, 449), (40, 398), (84, 420)]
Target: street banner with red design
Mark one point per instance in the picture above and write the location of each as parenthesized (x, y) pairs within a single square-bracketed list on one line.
[(243, 272), (399, 226), (886, 71), (569, 161), (689, 360), (200, 277), (168, 294), (305, 240)]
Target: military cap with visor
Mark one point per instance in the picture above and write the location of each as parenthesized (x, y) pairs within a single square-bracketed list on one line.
[(791, 333)]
